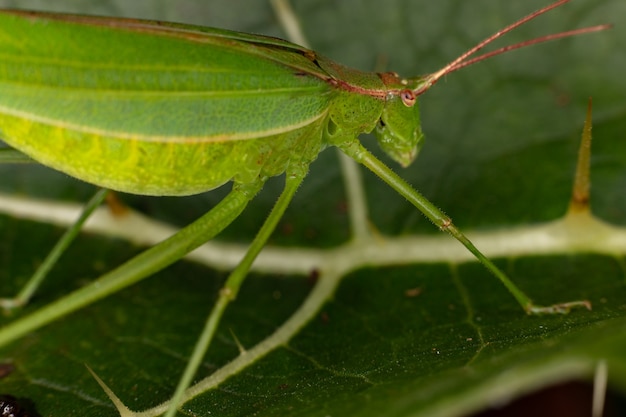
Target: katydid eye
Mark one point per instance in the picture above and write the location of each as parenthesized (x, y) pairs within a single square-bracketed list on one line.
[(408, 98)]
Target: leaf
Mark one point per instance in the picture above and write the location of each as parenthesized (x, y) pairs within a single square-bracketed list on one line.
[(500, 155)]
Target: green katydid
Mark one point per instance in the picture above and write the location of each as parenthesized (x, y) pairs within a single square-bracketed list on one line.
[(220, 106)]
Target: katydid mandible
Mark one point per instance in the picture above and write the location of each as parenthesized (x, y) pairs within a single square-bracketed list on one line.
[(219, 106)]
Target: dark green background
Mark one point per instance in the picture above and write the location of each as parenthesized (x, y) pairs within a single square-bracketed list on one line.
[(500, 152)]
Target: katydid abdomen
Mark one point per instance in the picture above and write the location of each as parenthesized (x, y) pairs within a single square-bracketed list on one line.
[(157, 167)]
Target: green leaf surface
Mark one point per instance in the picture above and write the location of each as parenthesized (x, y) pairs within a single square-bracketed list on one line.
[(426, 338)]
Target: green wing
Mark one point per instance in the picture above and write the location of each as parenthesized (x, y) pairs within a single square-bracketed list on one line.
[(124, 103)]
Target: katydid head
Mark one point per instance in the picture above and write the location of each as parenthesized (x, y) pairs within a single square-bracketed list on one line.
[(399, 132)]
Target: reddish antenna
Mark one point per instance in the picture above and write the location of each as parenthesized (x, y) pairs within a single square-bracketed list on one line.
[(462, 61)]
